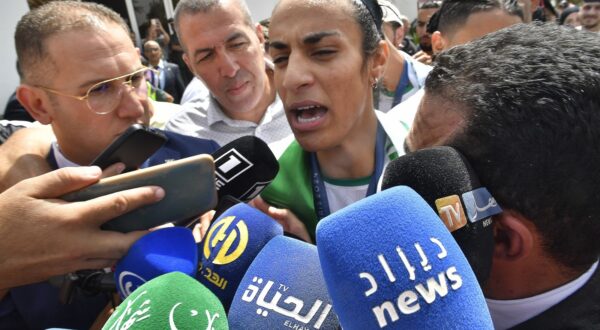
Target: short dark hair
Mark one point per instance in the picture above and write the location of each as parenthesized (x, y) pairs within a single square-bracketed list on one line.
[(368, 24), (454, 13), (191, 7), (38, 25), (530, 96)]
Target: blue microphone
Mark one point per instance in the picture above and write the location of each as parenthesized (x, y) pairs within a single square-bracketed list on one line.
[(159, 252), (232, 242), (448, 183), (283, 288), (389, 262)]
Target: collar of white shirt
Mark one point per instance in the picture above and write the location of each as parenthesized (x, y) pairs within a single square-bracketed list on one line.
[(508, 313), (215, 114), (61, 160)]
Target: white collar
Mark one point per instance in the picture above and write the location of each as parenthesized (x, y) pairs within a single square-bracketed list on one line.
[(508, 313), (216, 114), (161, 64), (59, 157)]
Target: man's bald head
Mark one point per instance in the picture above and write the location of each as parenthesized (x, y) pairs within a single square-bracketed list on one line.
[(153, 52)]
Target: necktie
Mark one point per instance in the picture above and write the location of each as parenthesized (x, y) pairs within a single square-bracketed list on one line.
[(155, 76)]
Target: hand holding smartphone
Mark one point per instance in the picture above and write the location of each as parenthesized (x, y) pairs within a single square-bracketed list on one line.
[(189, 185)]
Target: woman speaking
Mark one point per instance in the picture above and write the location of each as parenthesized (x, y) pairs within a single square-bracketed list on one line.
[(328, 55)]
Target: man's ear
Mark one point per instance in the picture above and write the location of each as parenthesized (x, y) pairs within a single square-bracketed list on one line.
[(398, 37), (188, 62), (259, 33), (438, 42), (379, 60), (513, 236), (35, 102)]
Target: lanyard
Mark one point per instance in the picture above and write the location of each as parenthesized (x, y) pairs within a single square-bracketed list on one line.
[(319, 192), (402, 85)]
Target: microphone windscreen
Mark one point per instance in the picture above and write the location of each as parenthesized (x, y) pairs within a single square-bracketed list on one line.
[(158, 252), (283, 288), (444, 178), (389, 262), (229, 247), (244, 167), (170, 301)]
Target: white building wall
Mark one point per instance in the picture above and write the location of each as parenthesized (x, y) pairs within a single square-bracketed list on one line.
[(261, 9), (10, 13), (408, 8)]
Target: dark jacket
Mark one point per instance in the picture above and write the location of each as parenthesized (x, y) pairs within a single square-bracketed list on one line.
[(173, 81)]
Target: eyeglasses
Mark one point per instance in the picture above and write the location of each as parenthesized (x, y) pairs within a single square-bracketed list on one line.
[(104, 97)]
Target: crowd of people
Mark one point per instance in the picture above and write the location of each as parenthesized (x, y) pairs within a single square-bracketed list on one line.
[(341, 90)]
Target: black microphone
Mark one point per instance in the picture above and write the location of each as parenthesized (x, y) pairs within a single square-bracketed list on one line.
[(244, 167), (446, 181)]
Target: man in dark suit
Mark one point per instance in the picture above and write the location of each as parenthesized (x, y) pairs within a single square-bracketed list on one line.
[(167, 76), (97, 90), (522, 105)]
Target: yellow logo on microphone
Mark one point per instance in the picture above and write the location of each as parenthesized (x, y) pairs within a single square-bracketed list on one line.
[(451, 211), (232, 247)]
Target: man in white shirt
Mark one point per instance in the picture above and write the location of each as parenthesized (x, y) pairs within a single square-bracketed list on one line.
[(225, 50), (532, 139)]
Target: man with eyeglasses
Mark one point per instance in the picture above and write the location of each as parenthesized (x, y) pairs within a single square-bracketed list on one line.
[(82, 75)]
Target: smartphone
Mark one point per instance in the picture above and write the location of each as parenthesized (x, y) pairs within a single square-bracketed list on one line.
[(189, 184), (132, 148)]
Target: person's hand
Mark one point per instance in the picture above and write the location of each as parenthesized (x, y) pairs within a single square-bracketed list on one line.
[(43, 236), (286, 218), (423, 57), (201, 227), (169, 98), (112, 170)]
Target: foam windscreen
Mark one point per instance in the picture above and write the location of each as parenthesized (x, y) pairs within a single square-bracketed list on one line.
[(159, 252), (444, 178), (244, 167), (389, 262), (170, 301), (283, 288), (231, 243)]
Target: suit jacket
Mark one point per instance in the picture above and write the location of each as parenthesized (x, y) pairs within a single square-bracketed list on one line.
[(173, 81), (581, 310), (180, 146), (37, 306)]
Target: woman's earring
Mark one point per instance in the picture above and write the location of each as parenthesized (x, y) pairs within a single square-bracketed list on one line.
[(375, 82)]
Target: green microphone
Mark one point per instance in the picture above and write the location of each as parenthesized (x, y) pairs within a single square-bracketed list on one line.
[(171, 301)]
